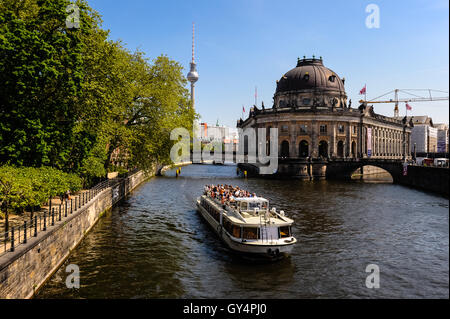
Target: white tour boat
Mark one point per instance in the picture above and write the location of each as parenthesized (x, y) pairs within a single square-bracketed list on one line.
[(248, 226)]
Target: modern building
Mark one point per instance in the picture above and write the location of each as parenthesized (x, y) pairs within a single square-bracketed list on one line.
[(442, 138), (424, 135), (419, 139), (316, 121), (215, 133)]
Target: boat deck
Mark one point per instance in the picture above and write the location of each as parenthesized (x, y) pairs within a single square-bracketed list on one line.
[(250, 217)]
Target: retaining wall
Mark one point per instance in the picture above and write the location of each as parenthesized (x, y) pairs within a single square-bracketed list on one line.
[(25, 270), (435, 179)]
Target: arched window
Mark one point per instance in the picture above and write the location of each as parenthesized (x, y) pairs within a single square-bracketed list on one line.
[(340, 149), (303, 149), (323, 149), (268, 141), (284, 149), (245, 145)]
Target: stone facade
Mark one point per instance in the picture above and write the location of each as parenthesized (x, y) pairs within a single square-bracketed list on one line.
[(315, 121)]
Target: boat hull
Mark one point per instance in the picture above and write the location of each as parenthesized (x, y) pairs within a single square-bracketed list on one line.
[(268, 250)]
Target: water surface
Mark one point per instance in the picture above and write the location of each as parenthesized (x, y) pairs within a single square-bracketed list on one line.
[(155, 244)]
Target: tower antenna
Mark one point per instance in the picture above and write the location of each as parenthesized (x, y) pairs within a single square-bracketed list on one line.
[(193, 74), (193, 42)]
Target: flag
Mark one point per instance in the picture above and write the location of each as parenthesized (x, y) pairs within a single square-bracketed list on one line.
[(243, 109), (408, 107), (363, 91)]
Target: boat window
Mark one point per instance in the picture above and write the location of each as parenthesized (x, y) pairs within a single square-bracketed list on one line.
[(236, 231), (264, 205), (216, 214), (253, 205), (243, 205), (250, 233), (227, 225), (285, 231)]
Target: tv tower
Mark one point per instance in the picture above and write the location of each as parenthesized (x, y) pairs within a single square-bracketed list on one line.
[(193, 75)]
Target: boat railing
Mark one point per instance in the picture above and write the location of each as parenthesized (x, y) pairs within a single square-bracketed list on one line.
[(264, 219), (237, 214), (229, 209)]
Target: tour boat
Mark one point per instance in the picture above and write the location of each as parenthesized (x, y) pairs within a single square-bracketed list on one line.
[(248, 226)]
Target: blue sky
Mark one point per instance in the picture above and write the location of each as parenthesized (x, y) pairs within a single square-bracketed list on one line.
[(247, 43)]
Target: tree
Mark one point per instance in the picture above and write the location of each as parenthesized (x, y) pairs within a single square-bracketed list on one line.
[(71, 97), (41, 74), (160, 103)]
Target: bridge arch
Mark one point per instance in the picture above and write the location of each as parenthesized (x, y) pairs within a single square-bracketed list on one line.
[(371, 172), (344, 169)]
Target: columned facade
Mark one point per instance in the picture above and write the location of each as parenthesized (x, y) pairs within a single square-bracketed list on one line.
[(315, 123), (301, 136)]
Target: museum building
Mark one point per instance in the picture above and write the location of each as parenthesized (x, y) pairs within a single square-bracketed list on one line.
[(315, 120)]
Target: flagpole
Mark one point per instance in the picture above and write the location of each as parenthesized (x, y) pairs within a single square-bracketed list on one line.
[(365, 93)]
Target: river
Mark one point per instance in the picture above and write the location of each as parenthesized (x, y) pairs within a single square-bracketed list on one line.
[(155, 245)]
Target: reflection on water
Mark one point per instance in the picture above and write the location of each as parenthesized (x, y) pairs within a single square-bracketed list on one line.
[(155, 244)]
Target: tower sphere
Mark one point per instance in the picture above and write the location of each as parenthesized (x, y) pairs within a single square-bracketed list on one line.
[(193, 74)]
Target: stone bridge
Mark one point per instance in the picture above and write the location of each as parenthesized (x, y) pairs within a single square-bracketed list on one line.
[(343, 169), (326, 168), (433, 179)]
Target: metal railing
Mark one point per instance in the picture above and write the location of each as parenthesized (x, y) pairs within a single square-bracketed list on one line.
[(46, 219)]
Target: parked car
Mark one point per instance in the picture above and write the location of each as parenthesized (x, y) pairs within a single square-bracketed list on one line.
[(441, 162), (427, 162)]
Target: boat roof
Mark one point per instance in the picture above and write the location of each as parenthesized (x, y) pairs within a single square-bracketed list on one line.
[(246, 218), (250, 199)]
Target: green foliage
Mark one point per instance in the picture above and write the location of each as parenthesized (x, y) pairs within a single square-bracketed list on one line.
[(70, 98), (118, 169), (41, 76), (25, 187)]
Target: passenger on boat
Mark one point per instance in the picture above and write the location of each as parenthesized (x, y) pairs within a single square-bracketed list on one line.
[(226, 193)]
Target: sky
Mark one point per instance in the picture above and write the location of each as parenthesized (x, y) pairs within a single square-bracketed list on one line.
[(243, 44)]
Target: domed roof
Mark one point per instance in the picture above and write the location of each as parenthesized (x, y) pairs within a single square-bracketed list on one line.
[(310, 74)]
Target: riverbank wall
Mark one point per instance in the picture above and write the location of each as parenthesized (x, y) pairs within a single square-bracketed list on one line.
[(434, 179), (163, 169), (24, 270)]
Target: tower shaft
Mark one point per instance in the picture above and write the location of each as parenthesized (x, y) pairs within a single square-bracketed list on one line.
[(193, 74)]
